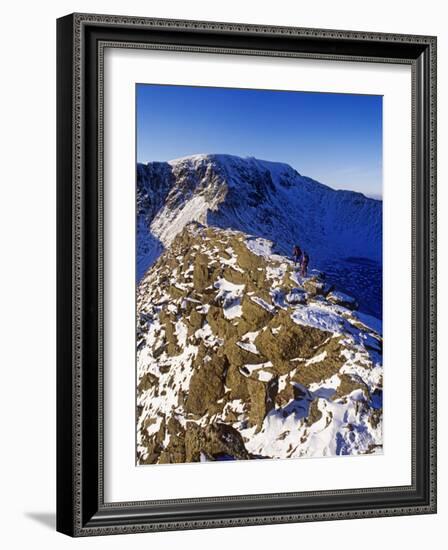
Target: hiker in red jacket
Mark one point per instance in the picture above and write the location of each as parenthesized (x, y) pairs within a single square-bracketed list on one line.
[(304, 264), (296, 254)]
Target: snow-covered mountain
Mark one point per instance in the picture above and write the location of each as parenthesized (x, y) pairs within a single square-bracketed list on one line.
[(239, 356), (263, 199)]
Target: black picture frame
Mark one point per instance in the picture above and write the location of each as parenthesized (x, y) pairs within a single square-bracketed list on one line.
[(81, 510)]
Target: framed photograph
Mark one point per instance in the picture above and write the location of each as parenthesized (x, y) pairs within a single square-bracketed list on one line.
[(246, 274)]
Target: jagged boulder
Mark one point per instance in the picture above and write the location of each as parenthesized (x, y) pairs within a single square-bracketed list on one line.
[(239, 356), (174, 452), (330, 362), (237, 383), (201, 275), (206, 385), (284, 340), (234, 276), (342, 299), (261, 399), (255, 315), (147, 381), (220, 326), (247, 260), (296, 296), (314, 413), (213, 442), (175, 292), (195, 321), (316, 286), (167, 320), (153, 444), (347, 385)]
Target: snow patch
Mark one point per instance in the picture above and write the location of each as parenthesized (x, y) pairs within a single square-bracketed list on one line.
[(316, 359)]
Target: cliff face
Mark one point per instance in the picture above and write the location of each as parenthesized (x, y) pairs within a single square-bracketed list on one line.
[(257, 196), (264, 199), (240, 357)]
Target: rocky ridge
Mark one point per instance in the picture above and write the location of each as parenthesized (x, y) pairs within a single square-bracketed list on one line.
[(267, 199), (239, 357)]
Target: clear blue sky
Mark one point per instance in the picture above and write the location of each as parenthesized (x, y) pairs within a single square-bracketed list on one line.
[(333, 138)]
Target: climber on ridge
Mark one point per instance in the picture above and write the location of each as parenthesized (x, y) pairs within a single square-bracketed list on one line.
[(304, 264), (296, 254)]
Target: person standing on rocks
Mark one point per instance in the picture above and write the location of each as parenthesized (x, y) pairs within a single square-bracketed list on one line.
[(304, 264), (296, 254)]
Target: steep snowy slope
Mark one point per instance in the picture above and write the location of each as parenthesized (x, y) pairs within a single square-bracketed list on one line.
[(263, 199), (240, 357)]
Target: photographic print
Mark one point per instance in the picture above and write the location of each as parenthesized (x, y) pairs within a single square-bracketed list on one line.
[(258, 274), (225, 313)]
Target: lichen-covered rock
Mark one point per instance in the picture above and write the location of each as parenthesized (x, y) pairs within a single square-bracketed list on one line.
[(201, 275), (216, 441), (195, 321), (174, 451), (220, 326), (255, 315), (167, 320), (315, 285), (206, 385), (284, 340), (238, 355), (342, 299), (314, 413), (237, 384), (147, 381)]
